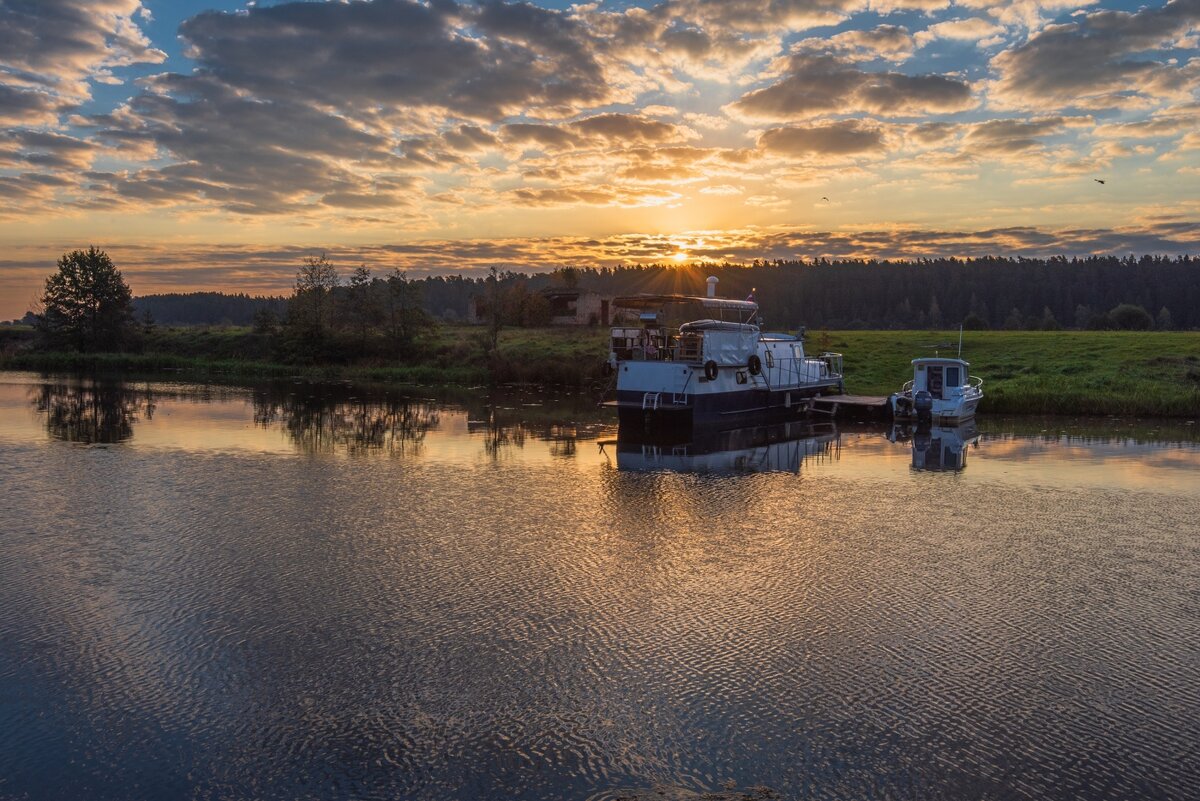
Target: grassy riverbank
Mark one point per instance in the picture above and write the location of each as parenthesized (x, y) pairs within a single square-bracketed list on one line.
[(1042, 372), (1025, 372)]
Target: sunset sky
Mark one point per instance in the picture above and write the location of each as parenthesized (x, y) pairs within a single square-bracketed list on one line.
[(213, 144)]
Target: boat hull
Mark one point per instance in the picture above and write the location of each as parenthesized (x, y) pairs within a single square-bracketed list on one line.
[(943, 411), (704, 409)]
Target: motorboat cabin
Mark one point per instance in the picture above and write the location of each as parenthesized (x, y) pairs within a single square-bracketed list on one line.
[(706, 360), (941, 389)]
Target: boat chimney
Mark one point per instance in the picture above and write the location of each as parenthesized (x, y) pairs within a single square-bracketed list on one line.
[(712, 286)]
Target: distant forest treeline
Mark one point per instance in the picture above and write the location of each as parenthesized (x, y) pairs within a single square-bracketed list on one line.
[(206, 308), (927, 293)]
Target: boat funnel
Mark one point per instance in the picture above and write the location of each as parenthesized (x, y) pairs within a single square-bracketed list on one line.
[(712, 286)]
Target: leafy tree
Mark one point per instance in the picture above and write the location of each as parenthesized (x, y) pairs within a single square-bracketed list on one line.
[(1099, 321), (1163, 321), (973, 322), (493, 296), (1014, 321), (1130, 317), (265, 321), (310, 309), (568, 276), (363, 305), (935, 313), (87, 305), (1049, 321), (404, 316)]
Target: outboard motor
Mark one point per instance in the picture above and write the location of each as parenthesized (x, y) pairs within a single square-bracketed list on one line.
[(923, 405)]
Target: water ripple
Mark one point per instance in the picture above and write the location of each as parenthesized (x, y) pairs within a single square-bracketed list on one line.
[(447, 623)]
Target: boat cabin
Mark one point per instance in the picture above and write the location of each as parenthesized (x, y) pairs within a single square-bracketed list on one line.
[(942, 377)]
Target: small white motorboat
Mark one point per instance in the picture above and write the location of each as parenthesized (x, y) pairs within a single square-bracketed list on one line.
[(941, 390)]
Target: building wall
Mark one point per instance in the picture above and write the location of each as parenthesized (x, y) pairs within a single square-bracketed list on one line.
[(589, 310)]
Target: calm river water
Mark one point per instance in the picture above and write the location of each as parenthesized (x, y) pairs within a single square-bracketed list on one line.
[(295, 591)]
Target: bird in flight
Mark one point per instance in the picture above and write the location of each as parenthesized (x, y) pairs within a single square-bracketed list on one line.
[(1097, 180), (825, 198)]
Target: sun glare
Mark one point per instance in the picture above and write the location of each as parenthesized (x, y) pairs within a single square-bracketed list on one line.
[(680, 257)]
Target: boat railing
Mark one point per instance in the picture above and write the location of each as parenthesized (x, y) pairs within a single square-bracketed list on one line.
[(792, 371), (975, 382), (908, 385), (833, 361)]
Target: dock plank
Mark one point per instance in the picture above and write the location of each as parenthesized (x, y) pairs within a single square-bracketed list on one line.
[(852, 400)]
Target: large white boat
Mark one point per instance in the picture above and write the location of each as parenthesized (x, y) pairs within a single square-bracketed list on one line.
[(941, 390), (705, 360)]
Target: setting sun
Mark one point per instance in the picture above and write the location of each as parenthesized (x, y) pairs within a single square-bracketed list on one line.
[(680, 257)]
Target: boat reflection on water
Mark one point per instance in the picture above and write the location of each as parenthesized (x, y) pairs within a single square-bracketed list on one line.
[(937, 448), (781, 447)]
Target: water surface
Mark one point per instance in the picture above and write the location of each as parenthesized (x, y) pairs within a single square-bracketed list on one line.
[(296, 591)]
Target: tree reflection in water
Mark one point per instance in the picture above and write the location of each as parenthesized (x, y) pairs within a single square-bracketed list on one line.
[(332, 418), (93, 413), (498, 436), (504, 429)]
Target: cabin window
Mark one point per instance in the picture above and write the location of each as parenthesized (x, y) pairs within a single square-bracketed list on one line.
[(770, 359), (952, 379)]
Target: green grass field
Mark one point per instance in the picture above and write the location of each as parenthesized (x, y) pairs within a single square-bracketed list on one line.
[(1149, 374), (1041, 372)]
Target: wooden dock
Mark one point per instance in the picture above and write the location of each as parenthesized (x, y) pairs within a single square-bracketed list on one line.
[(863, 405)]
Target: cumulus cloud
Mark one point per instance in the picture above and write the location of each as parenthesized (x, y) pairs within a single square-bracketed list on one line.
[(61, 44), (46, 150), (238, 152), (929, 133), (599, 130), (971, 29), (888, 6), (469, 137), (395, 54), (1008, 136), (1105, 59), (818, 85), (760, 15), (1030, 14), (591, 195), (887, 42), (834, 139), (31, 107), (1167, 125)]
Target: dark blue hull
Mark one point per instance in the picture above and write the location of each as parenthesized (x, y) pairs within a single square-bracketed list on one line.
[(719, 408)]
